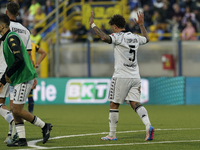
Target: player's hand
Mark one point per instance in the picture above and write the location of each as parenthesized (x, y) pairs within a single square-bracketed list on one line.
[(34, 83), (1, 87), (36, 65), (140, 20), (92, 18), (7, 79)]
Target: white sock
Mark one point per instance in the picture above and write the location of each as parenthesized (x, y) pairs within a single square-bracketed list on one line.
[(142, 112), (10, 129), (113, 120), (20, 130), (6, 114), (38, 122)]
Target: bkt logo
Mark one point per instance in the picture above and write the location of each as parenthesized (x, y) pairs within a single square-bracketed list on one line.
[(87, 91)]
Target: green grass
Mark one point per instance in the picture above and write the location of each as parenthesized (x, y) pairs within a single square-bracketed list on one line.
[(84, 119)]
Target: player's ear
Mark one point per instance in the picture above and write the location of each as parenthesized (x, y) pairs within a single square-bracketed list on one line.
[(17, 14)]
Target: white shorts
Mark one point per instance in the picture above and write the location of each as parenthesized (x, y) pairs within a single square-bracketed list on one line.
[(21, 92), (6, 90), (124, 90), (11, 92)]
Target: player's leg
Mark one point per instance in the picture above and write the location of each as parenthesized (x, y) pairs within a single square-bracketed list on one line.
[(20, 114), (30, 102), (116, 96), (5, 113), (14, 135), (142, 112), (134, 99), (113, 120)]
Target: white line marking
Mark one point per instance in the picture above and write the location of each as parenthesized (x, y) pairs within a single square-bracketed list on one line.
[(34, 146)]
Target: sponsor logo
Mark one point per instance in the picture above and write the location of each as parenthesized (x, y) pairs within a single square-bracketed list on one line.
[(46, 92), (87, 91)]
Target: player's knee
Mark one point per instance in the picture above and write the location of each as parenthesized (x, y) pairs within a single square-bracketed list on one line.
[(16, 111)]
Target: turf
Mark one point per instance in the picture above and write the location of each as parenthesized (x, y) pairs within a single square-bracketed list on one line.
[(181, 124)]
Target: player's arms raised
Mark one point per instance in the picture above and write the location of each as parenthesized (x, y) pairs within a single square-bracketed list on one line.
[(99, 32), (140, 22)]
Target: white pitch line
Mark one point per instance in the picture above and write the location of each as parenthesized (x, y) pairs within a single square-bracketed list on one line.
[(34, 146)]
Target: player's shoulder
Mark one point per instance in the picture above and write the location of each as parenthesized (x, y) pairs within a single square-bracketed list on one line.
[(18, 25)]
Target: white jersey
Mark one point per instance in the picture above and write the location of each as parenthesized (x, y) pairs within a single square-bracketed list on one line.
[(3, 64), (23, 33), (125, 52)]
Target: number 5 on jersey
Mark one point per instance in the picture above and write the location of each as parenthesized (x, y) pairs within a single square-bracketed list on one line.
[(132, 51)]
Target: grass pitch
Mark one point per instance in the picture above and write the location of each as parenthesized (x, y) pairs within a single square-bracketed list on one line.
[(82, 126)]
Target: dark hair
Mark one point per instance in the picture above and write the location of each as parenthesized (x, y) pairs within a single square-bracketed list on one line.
[(5, 19), (13, 8), (118, 20)]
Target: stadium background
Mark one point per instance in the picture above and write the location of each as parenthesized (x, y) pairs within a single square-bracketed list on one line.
[(171, 80)]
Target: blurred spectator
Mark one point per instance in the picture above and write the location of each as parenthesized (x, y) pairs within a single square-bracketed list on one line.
[(197, 5), (39, 16), (188, 15), (175, 28), (133, 3), (187, 3), (177, 12), (35, 37), (153, 36), (34, 7), (132, 27), (189, 32), (133, 13), (147, 16), (166, 13), (28, 18), (197, 15), (48, 7), (81, 30), (156, 18), (65, 36), (158, 5), (26, 4)]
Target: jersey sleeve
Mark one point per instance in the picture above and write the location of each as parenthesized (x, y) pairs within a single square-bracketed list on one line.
[(14, 45), (142, 40), (113, 37), (28, 46)]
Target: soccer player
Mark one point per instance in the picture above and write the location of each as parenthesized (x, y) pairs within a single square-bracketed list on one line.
[(125, 84), (12, 10), (4, 112), (20, 73), (35, 48)]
